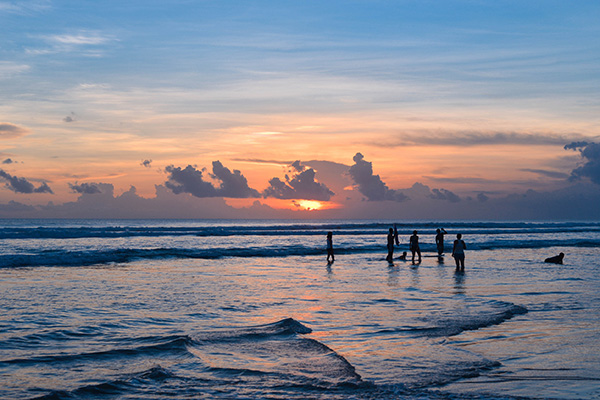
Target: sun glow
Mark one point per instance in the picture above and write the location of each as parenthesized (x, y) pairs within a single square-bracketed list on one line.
[(309, 204)]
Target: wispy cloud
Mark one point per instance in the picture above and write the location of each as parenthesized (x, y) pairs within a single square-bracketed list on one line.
[(24, 7), (11, 131), (81, 38), (9, 69), (87, 43), (547, 173), (476, 138), (261, 161)]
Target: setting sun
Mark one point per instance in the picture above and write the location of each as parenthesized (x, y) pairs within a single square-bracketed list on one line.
[(309, 204)]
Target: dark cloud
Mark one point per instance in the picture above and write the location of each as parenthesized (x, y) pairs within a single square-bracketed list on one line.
[(590, 153), (22, 185), (575, 145), (43, 188), (165, 204), (8, 161), (233, 184), (482, 198), (13, 207), (443, 194), (70, 118), (11, 131), (369, 185), (87, 188), (300, 183), (191, 180), (474, 138), (146, 163)]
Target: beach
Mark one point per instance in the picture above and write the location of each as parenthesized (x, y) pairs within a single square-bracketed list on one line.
[(154, 309)]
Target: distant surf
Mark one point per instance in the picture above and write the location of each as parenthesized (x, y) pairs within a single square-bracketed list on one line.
[(50, 243)]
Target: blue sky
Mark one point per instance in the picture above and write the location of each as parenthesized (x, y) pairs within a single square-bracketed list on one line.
[(480, 97)]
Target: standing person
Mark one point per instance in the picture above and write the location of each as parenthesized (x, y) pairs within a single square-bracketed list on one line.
[(414, 246), (390, 245), (458, 252), (330, 257), (439, 240)]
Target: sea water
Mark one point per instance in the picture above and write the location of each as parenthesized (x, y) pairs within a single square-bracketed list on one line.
[(156, 309)]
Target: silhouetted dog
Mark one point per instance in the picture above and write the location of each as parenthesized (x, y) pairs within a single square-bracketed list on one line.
[(556, 259)]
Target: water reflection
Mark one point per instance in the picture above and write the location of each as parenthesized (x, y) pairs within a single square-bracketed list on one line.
[(414, 276), (393, 274), (459, 282)]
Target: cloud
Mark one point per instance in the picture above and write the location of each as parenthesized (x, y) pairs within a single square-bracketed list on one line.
[(299, 184), (482, 198), (443, 194), (8, 161), (461, 180), (24, 7), (10, 69), (146, 163), (22, 185), (262, 161), (369, 185), (87, 188), (81, 38), (590, 153), (190, 180), (70, 118), (549, 174), (165, 204), (11, 131), (13, 207), (232, 184), (84, 42), (474, 138)]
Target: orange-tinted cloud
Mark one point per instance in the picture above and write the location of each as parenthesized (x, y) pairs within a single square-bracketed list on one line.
[(11, 131)]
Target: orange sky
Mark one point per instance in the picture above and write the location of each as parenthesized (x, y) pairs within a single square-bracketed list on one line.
[(471, 102)]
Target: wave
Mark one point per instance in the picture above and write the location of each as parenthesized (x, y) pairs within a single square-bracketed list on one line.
[(173, 344), (282, 229), (66, 258), (494, 313), (266, 359), (111, 388), (275, 348)]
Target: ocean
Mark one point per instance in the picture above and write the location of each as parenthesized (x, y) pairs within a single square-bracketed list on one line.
[(222, 309)]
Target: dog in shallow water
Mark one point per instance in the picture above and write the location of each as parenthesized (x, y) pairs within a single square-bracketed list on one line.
[(556, 259)]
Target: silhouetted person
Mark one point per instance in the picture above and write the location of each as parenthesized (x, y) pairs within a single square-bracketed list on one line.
[(556, 259), (439, 240), (414, 246), (390, 245), (330, 257), (403, 256), (458, 252)]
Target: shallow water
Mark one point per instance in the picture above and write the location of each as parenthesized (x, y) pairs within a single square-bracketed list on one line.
[(289, 325)]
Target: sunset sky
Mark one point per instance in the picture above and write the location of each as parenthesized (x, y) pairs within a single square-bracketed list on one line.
[(308, 109)]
